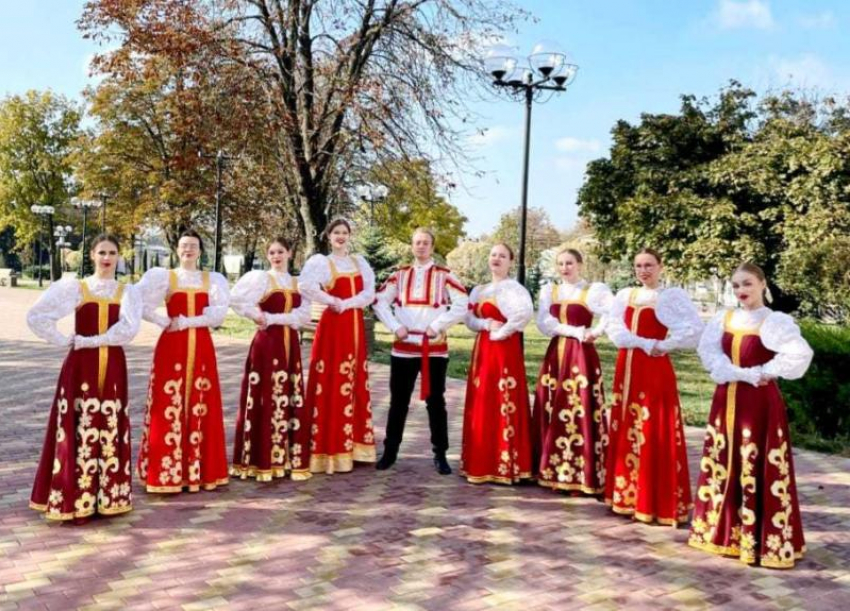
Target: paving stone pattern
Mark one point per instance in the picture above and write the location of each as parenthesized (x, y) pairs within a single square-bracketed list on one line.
[(403, 539)]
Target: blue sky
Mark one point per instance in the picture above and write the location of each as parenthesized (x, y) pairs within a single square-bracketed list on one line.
[(634, 56)]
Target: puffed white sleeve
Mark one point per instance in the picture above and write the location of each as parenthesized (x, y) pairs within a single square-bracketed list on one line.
[(472, 321), (599, 299), (781, 334), (364, 298), (616, 328), (677, 312), (547, 323), (247, 293), (153, 287), (459, 305), (316, 274), (58, 301), (383, 306), (296, 319), (123, 331), (715, 361), (515, 303), (214, 314)]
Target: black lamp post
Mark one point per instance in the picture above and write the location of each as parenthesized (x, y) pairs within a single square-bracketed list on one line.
[(547, 71), (371, 194), (84, 205), (220, 159), (43, 212)]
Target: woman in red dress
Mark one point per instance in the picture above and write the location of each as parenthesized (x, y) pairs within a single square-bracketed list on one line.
[(271, 440), (497, 434), (647, 464), (569, 404), (338, 398), (746, 503), (85, 462), (183, 439)]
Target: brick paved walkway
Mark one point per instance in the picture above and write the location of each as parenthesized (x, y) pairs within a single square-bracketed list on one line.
[(405, 539)]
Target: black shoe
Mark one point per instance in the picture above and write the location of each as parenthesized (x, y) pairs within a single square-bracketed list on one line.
[(386, 461), (442, 465)]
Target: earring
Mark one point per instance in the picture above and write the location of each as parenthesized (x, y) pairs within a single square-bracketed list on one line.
[(768, 296)]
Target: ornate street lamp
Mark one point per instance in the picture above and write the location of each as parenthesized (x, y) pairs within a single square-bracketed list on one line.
[(85, 205), (544, 73), (44, 212), (60, 232), (371, 194)]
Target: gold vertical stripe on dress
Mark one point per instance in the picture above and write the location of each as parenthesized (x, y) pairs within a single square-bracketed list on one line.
[(287, 308), (731, 395)]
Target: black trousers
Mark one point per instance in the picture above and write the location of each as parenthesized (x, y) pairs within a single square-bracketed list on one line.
[(403, 373)]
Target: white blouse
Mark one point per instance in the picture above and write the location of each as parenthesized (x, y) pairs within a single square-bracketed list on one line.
[(599, 298), (250, 289), (317, 274), (513, 302), (674, 310), (64, 296), (154, 287), (778, 332)]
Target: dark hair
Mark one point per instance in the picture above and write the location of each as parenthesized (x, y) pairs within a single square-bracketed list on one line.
[(650, 251), (191, 233), (506, 247), (336, 223), (105, 237), (279, 239), (571, 251), (751, 268)]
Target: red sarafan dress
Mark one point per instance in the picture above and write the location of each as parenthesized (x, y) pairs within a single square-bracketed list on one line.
[(338, 384), (183, 445), (498, 437), (570, 418), (647, 463), (746, 504), (85, 461), (272, 429)]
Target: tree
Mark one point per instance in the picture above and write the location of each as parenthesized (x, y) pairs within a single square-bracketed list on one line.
[(344, 83), (469, 262), (729, 181), (414, 201), (370, 242), (540, 232), (37, 132)]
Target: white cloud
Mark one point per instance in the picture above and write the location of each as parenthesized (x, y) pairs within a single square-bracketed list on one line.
[(804, 71), (820, 21), (492, 135), (578, 146), (734, 14)]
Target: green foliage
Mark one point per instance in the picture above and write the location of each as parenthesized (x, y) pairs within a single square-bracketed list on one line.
[(414, 201), (732, 180), (37, 134), (369, 242), (540, 232), (469, 262), (819, 402)]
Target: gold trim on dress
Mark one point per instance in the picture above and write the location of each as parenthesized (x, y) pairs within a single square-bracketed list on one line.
[(497, 479), (187, 487)]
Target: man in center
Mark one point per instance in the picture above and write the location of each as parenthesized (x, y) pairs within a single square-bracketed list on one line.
[(418, 303)]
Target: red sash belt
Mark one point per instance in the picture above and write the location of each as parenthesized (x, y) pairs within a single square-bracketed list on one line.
[(425, 381)]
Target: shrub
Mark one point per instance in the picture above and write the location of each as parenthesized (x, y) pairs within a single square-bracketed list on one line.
[(819, 403)]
